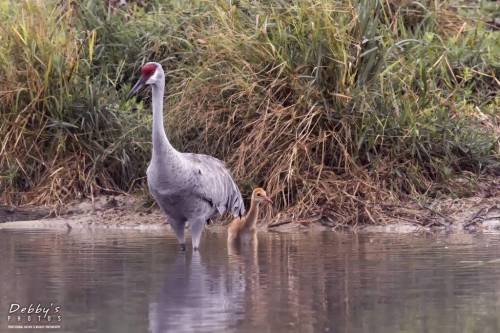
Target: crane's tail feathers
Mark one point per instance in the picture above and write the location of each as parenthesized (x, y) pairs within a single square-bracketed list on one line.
[(240, 213)]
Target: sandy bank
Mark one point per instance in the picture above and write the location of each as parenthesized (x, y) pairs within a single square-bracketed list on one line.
[(126, 212)]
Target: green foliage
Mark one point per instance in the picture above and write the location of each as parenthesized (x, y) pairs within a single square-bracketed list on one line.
[(329, 105)]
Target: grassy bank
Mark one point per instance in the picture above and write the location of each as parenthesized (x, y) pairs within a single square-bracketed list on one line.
[(334, 107)]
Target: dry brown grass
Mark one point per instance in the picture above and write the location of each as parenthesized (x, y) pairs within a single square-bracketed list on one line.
[(337, 109)]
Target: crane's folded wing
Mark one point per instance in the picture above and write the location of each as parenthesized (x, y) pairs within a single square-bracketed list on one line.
[(214, 183)]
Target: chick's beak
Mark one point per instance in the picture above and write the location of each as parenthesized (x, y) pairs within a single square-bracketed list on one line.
[(266, 199), (138, 86)]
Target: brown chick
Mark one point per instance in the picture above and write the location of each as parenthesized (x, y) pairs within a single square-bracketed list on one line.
[(242, 229)]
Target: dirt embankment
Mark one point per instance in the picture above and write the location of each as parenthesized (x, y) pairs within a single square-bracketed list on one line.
[(126, 212), (103, 212)]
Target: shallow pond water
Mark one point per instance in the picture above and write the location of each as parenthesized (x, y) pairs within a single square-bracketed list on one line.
[(124, 281)]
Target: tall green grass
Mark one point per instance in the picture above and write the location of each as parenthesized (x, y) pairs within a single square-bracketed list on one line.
[(63, 131), (334, 107)]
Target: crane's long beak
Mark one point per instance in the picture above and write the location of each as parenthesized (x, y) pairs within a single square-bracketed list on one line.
[(138, 87), (268, 200)]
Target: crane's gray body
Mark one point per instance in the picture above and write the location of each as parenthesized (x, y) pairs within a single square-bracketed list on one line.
[(187, 187), (196, 186)]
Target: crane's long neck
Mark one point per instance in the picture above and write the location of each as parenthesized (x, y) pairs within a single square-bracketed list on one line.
[(161, 145), (252, 215)]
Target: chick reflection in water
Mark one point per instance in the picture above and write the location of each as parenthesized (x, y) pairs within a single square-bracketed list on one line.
[(196, 297), (243, 230)]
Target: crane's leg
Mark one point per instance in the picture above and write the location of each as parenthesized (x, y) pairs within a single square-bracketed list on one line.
[(197, 227), (178, 228)]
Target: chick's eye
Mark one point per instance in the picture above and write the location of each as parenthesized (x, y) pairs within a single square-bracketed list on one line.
[(258, 194)]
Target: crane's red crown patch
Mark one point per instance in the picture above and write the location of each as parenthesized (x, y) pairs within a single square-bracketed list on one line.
[(148, 70)]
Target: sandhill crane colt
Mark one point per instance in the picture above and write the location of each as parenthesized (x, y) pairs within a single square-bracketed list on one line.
[(243, 229), (187, 187)]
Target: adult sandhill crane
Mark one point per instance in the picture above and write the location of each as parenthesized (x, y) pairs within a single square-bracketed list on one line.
[(187, 187)]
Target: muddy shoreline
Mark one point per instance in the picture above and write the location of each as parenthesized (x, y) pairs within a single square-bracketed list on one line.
[(477, 214)]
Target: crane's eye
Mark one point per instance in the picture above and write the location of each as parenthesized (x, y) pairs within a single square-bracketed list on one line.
[(151, 73)]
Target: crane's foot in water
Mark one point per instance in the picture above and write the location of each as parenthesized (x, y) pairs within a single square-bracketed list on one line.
[(183, 247), (195, 249)]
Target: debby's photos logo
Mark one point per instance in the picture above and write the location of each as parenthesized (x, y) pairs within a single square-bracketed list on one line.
[(34, 316)]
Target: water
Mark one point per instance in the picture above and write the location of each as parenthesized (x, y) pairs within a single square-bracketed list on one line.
[(110, 281)]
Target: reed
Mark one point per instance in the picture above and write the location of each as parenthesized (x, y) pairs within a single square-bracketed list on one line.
[(334, 107)]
